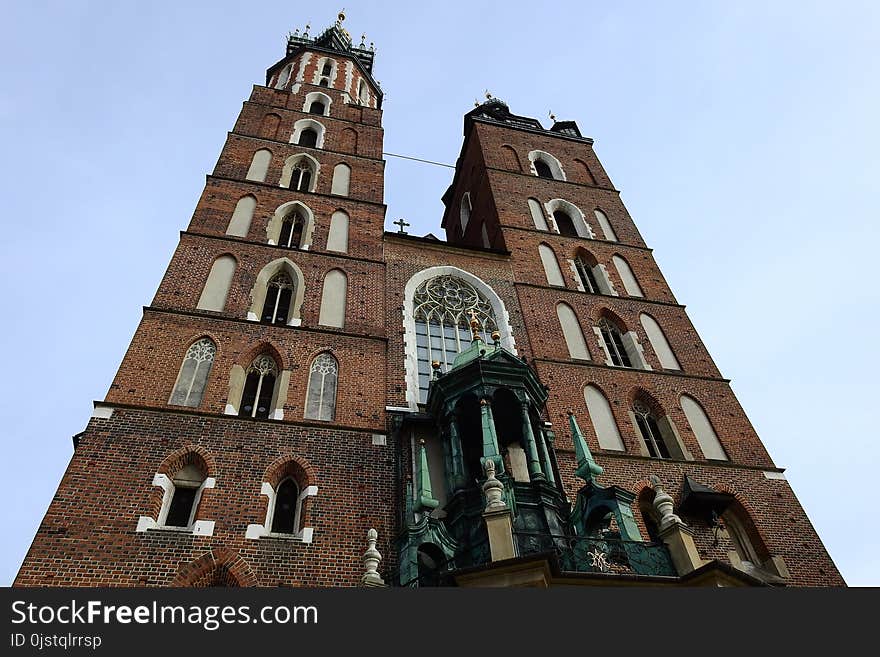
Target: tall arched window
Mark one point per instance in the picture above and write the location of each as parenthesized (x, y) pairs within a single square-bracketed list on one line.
[(587, 275), (543, 169), (465, 212), (278, 295), (605, 225), (630, 284), (702, 428), (333, 299), (217, 286), (193, 375), (571, 331), (308, 138), (285, 516), (337, 237), (321, 395), (614, 344), (327, 68), (240, 223), (565, 223), (325, 82), (259, 388), (659, 342), (650, 431), (551, 266), (603, 419), (292, 231), (259, 165), (341, 179), (301, 177), (284, 77), (537, 213), (317, 107), (441, 309)]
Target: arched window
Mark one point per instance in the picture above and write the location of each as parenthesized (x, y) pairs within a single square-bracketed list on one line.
[(604, 224), (659, 342), (363, 93), (259, 388), (337, 237), (301, 176), (181, 509), (217, 286), (317, 103), (571, 331), (325, 82), (341, 179), (333, 299), (259, 165), (603, 419), (317, 107), (614, 345), (285, 516), (240, 223), (702, 428), (551, 266), (441, 309), (278, 295), (465, 212), (543, 169), (193, 376), (587, 275), (284, 77), (292, 231), (744, 550), (650, 431), (545, 165), (565, 223), (537, 213), (321, 395), (308, 138), (630, 284), (327, 69)]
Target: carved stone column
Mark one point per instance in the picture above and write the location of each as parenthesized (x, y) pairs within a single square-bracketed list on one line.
[(535, 472)]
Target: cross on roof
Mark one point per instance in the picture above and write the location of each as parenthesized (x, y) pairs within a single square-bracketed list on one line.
[(402, 223)]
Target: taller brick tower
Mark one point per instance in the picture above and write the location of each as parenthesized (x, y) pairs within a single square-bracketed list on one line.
[(525, 403), (238, 443)]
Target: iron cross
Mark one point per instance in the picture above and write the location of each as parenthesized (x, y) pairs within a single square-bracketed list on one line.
[(402, 223)]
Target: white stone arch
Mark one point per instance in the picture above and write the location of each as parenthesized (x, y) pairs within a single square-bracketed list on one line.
[(554, 164), (291, 162), (313, 96), (284, 76), (259, 166), (577, 216), (304, 124), (465, 211), (273, 228), (502, 317), (319, 68), (258, 292), (217, 284), (341, 181), (240, 222)]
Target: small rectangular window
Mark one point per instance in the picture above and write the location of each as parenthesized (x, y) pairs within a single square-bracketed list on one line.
[(181, 507)]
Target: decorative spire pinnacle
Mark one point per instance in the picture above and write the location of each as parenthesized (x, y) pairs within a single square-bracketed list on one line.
[(552, 116), (587, 468), (492, 488), (425, 501), (664, 504), (488, 95), (340, 17), (371, 561), (475, 327)]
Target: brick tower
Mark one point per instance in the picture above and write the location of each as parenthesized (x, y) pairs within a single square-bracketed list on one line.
[(525, 403)]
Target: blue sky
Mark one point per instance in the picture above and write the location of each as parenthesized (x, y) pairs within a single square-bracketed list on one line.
[(744, 138)]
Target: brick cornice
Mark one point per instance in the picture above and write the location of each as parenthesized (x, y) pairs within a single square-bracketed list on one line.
[(704, 463), (240, 320), (600, 295), (182, 410), (309, 149), (275, 247), (590, 363), (279, 187)]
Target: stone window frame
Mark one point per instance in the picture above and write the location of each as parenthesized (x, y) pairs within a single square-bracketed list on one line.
[(259, 291), (318, 96), (177, 381), (669, 434), (319, 75), (550, 160), (292, 162), (630, 339), (303, 124), (578, 218), (238, 378), (197, 526), (599, 271), (283, 469), (273, 227), (502, 319), (335, 396)]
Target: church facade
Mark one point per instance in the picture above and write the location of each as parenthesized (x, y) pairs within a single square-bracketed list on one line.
[(310, 400)]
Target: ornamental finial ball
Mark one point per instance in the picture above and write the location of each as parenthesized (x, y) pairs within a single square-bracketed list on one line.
[(496, 336), (435, 364), (342, 15)]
